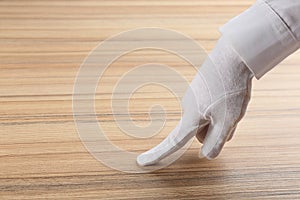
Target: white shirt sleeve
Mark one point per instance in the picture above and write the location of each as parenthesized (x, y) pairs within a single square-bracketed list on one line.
[(265, 34)]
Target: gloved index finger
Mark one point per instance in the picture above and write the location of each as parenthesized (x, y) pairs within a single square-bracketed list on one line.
[(172, 143)]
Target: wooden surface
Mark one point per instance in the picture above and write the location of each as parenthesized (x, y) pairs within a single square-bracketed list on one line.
[(43, 43)]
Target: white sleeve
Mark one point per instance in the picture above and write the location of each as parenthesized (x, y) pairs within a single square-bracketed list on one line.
[(262, 37)]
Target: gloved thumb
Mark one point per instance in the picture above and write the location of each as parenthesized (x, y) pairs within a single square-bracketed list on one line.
[(217, 135)]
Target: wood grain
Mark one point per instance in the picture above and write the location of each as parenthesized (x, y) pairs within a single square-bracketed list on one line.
[(42, 45)]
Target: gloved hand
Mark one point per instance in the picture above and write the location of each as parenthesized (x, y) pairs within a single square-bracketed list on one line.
[(213, 105)]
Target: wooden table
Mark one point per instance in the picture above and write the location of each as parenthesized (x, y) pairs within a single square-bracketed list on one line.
[(43, 44)]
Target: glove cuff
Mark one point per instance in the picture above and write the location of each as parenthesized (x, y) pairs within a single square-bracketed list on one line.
[(260, 37)]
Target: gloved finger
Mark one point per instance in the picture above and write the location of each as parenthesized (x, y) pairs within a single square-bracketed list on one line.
[(216, 137), (172, 143), (201, 133)]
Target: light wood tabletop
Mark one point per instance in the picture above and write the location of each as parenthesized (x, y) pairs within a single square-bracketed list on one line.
[(42, 46)]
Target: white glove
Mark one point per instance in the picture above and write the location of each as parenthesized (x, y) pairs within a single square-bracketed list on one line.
[(213, 105)]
